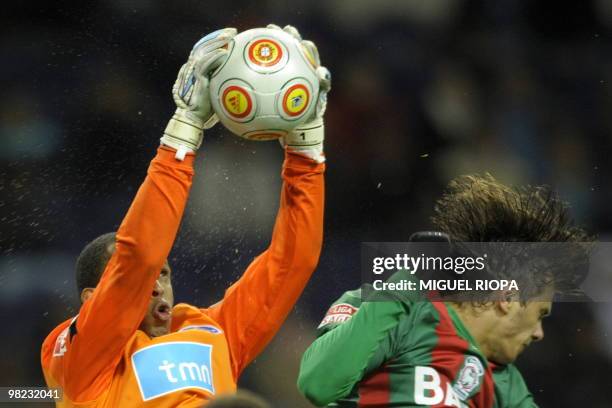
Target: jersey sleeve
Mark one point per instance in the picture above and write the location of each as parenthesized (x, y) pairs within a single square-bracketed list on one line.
[(340, 311), (338, 359), (113, 314), (254, 308)]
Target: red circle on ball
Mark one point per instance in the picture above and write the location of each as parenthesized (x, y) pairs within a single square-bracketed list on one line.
[(292, 91), (232, 103), (265, 52)]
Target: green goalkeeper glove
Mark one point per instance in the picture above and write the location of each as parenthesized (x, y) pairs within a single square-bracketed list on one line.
[(194, 113)]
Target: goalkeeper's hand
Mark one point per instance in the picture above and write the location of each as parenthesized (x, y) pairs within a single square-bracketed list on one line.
[(307, 139), (194, 113)]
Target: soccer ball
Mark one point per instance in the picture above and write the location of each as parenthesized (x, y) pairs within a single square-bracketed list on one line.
[(267, 87)]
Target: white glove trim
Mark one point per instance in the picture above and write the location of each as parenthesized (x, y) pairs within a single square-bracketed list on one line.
[(307, 141), (182, 134)]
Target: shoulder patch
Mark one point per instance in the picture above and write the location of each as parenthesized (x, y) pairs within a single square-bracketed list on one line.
[(60, 347), (60, 343), (337, 314), (469, 377)]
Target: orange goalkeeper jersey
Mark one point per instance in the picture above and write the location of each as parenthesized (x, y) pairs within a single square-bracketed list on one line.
[(101, 359)]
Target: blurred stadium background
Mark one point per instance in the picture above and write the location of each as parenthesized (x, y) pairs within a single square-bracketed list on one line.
[(423, 91)]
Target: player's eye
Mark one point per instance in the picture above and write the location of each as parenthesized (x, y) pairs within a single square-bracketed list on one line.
[(164, 273)]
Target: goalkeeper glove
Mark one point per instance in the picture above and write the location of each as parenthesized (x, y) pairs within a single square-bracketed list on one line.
[(194, 113), (307, 139)]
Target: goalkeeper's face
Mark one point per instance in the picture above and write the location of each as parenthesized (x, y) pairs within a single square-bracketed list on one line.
[(159, 313), (519, 325)]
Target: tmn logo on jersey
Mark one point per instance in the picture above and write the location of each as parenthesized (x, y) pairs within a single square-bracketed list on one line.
[(339, 313), (164, 368), (428, 389)]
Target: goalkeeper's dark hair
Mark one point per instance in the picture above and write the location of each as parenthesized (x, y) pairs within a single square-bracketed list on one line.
[(92, 260), (478, 208)]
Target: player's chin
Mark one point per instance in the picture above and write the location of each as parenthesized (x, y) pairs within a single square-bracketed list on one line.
[(513, 356), (507, 356), (160, 329), (154, 326)]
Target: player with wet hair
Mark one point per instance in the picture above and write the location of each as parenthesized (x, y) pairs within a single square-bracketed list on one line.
[(409, 351)]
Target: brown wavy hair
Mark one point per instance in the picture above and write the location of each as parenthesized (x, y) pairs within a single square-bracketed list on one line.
[(478, 208)]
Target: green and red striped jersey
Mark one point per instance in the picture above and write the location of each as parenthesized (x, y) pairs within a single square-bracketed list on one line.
[(403, 354)]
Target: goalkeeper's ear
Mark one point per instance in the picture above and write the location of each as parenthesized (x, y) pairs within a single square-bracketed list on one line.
[(86, 294)]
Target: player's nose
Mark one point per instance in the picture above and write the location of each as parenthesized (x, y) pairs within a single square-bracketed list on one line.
[(158, 290), (538, 334)]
